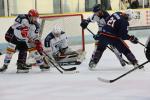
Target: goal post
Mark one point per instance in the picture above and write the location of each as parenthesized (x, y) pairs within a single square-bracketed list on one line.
[(70, 24)]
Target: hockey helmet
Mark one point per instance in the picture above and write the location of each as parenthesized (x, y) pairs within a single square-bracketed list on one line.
[(97, 7), (33, 13), (56, 30), (130, 14)]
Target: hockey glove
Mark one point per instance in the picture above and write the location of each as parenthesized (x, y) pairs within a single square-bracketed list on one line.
[(133, 39), (84, 24), (39, 47)]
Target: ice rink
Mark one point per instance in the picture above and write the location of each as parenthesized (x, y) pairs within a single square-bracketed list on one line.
[(84, 85)]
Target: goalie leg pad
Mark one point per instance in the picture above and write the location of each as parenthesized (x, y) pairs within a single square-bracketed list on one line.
[(73, 60)]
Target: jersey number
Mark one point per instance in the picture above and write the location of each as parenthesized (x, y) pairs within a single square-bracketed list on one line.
[(111, 22)]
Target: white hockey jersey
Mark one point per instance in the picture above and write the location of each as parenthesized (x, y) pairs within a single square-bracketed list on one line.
[(55, 44), (23, 21), (101, 21)]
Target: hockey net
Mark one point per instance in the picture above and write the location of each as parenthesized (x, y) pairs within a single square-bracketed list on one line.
[(70, 24)]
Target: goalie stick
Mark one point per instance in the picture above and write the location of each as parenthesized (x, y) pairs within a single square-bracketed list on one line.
[(57, 66), (113, 80)]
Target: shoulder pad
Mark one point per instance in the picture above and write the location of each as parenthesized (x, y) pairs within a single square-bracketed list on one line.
[(21, 17)]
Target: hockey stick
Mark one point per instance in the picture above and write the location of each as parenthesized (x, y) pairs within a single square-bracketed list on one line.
[(122, 61), (58, 65), (50, 61), (142, 44), (113, 80)]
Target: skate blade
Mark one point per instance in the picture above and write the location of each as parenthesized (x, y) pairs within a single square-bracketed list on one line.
[(92, 69), (3, 71), (71, 72), (44, 70), (22, 71)]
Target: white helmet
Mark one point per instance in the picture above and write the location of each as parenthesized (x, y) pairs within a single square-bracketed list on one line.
[(130, 14), (56, 30)]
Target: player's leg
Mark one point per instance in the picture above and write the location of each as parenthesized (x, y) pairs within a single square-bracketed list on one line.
[(9, 53), (21, 62), (118, 55), (39, 60), (122, 47), (99, 49), (11, 39)]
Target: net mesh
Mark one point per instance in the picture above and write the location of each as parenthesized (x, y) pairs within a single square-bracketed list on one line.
[(70, 24)]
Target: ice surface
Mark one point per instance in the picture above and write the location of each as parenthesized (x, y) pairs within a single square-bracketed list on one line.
[(52, 85)]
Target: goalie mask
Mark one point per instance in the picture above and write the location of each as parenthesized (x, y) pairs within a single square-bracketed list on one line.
[(147, 52), (56, 31)]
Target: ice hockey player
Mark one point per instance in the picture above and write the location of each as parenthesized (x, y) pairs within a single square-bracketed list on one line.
[(35, 48), (100, 16), (18, 37), (56, 44), (114, 32), (147, 52)]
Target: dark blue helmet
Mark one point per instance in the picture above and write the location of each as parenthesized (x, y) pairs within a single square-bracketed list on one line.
[(97, 8)]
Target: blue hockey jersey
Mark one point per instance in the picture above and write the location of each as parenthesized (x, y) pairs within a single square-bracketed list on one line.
[(117, 26)]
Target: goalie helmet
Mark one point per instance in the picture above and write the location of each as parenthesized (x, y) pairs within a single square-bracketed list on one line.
[(130, 14), (57, 31)]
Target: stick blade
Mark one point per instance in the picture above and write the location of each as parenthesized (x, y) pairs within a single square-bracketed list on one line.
[(104, 80)]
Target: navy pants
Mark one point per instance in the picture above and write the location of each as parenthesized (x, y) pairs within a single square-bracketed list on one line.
[(119, 44)]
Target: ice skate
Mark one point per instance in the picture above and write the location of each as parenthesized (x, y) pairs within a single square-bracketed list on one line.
[(3, 69), (44, 67), (22, 68), (92, 65)]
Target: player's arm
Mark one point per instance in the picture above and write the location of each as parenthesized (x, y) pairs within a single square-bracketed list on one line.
[(85, 22), (123, 31)]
